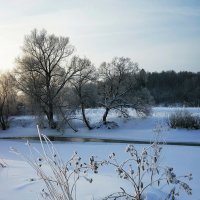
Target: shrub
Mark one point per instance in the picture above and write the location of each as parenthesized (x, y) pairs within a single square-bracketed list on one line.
[(183, 119), (60, 178), (143, 170)]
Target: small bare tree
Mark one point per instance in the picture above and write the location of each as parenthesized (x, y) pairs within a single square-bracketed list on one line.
[(86, 75), (41, 71), (119, 89), (7, 100)]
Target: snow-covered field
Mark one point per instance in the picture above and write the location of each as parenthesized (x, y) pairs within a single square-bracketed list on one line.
[(15, 179)]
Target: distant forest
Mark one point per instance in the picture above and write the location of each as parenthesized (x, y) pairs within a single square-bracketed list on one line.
[(171, 88)]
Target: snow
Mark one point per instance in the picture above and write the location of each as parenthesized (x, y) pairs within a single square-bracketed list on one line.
[(19, 181), (130, 129)]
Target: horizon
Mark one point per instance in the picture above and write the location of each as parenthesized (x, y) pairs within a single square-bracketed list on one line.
[(159, 36)]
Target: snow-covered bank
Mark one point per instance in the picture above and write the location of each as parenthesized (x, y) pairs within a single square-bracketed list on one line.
[(132, 129)]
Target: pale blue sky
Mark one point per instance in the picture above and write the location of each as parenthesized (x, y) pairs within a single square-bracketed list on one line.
[(158, 34)]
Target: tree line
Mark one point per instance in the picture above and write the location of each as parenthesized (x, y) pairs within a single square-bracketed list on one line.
[(172, 88), (53, 83)]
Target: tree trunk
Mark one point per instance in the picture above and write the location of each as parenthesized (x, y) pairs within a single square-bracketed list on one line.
[(3, 123), (52, 123), (84, 117), (105, 116), (138, 196)]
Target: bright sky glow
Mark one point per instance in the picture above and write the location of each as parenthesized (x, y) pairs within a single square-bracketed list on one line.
[(159, 35)]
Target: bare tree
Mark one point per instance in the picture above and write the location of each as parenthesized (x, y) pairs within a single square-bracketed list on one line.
[(7, 100), (86, 75), (118, 88), (41, 71)]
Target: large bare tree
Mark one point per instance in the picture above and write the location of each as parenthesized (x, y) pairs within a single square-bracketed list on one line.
[(41, 71), (119, 89)]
